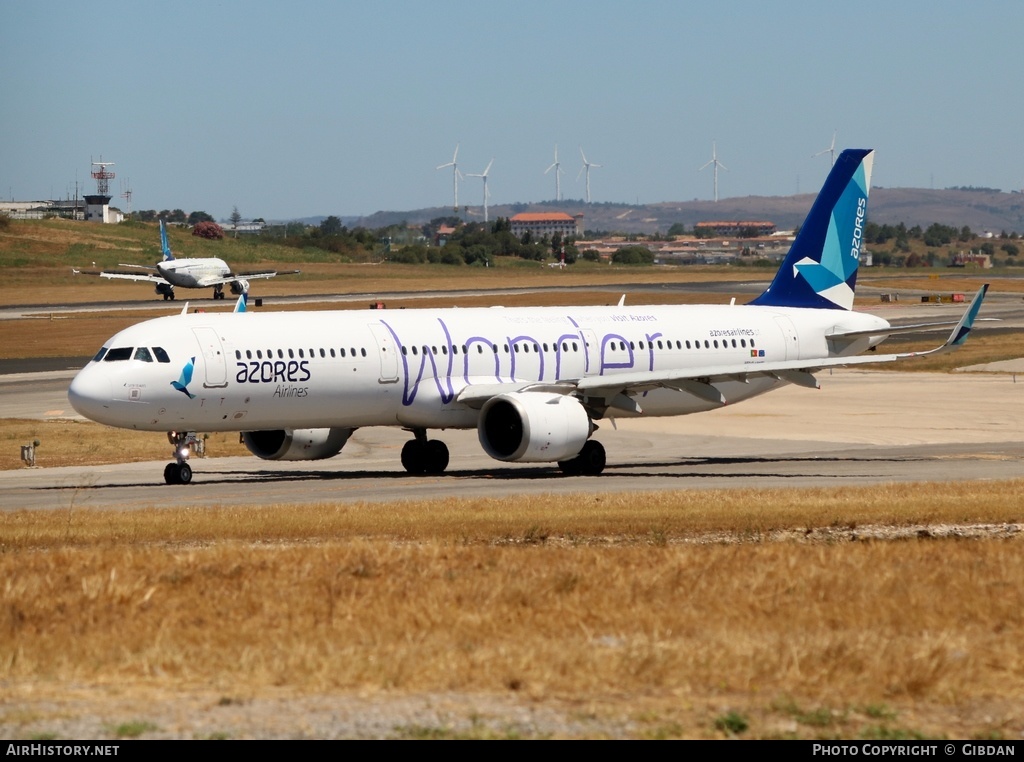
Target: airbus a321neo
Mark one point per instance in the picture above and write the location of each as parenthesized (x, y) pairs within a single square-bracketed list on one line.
[(534, 382)]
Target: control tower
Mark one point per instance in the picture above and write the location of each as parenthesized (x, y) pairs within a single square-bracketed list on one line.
[(97, 206)]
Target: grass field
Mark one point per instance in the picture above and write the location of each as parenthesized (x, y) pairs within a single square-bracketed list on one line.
[(681, 615)]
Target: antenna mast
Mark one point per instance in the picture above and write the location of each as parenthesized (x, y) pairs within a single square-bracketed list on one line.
[(103, 176), (126, 194)]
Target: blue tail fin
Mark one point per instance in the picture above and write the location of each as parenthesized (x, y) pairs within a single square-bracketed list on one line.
[(820, 269), (165, 247)]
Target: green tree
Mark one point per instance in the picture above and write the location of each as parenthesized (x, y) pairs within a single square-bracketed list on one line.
[(633, 255), (331, 226)]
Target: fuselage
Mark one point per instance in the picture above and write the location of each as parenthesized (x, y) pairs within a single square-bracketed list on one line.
[(194, 272), (255, 371)]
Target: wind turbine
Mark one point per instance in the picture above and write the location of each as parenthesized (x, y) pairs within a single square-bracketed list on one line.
[(487, 193), (586, 166), (717, 163), (558, 170), (455, 175), (830, 150)]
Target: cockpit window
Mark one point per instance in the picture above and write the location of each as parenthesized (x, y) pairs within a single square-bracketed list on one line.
[(99, 355), (143, 354), (119, 353), (160, 354)]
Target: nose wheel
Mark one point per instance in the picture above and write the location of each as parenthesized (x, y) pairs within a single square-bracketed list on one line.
[(180, 472)]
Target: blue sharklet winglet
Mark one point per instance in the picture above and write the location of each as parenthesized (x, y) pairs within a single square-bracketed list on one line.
[(963, 328)]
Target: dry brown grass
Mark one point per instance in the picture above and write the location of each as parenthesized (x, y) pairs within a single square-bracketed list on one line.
[(666, 611)]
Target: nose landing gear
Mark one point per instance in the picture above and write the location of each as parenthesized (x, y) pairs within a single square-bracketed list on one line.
[(183, 442)]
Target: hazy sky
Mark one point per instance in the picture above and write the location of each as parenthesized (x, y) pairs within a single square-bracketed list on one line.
[(286, 110)]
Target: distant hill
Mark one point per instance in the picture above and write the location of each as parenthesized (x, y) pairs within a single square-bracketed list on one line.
[(980, 210)]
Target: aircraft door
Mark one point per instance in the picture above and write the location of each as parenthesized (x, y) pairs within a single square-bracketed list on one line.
[(790, 337), (213, 356), (387, 353), (593, 351)]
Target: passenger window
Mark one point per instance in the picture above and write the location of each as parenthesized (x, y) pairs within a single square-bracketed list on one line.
[(362, 351), (342, 350), (143, 354)]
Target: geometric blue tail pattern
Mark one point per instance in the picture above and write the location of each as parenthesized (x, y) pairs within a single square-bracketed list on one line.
[(820, 269)]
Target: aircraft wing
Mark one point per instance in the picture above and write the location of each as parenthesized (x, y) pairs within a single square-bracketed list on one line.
[(618, 390), (243, 278), (115, 274)]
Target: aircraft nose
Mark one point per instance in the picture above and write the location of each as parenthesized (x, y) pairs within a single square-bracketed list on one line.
[(90, 394)]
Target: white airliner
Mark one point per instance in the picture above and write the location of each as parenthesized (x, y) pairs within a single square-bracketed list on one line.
[(196, 272), (533, 381)]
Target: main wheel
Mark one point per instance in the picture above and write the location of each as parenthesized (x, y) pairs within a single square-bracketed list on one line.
[(414, 457), (436, 456), (592, 458), (171, 473)]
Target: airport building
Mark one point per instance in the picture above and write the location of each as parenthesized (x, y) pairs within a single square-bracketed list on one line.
[(734, 228), (541, 224)]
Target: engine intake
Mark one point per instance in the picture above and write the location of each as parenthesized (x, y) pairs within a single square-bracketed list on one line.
[(533, 427), (296, 444)]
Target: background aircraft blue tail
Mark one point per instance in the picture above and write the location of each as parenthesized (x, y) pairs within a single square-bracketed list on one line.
[(165, 247), (820, 269)]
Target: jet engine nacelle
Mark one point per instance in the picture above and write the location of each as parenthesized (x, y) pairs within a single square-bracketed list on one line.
[(533, 427), (296, 444)]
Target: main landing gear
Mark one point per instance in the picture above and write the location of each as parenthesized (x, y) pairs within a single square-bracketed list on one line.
[(422, 456), (218, 291), (180, 472), (590, 461)]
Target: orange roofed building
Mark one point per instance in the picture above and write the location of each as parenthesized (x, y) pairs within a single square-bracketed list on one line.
[(540, 224)]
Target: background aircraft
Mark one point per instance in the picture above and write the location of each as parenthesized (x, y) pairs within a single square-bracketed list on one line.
[(202, 272), (533, 381)]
